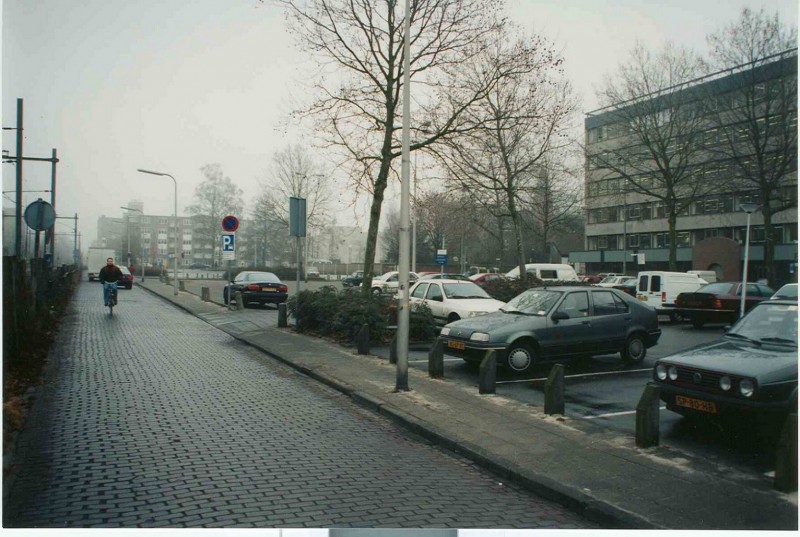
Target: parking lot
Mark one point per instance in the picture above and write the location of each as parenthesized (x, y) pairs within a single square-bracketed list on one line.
[(601, 393)]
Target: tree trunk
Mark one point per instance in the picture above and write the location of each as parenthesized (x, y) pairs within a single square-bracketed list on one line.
[(769, 242), (673, 241), (374, 222)]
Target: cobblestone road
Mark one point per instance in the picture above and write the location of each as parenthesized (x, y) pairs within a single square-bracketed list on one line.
[(153, 418)]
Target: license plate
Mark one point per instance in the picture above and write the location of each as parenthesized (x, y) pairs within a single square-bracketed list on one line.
[(642, 298), (696, 404), (268, 289), (455, 345)]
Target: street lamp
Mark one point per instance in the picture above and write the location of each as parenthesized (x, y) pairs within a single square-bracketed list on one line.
[(128, 217), (175, 266), (749, 208)]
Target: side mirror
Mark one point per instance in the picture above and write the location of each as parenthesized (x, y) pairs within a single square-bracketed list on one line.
[(560, 316)]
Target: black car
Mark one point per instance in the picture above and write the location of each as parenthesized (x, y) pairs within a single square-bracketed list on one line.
[(553, 323), (257, 288), (353, 280), (751, 371)]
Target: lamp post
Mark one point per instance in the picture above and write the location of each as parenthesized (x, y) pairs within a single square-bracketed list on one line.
[(128, 217), (749, 208), (175, 265)]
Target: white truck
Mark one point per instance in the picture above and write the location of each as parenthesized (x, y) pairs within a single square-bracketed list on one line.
[(96, 259)]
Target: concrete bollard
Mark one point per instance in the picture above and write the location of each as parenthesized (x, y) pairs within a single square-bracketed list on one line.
[(205, 293), (436, 360), (239, 302), (362, 339), (647, 417), (181, 285), (786, 457), (282, 315), (393, 350), (554, 391), (487, 373)]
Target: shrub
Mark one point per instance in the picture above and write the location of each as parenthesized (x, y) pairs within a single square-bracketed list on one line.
[(421, 323), (505, 290)]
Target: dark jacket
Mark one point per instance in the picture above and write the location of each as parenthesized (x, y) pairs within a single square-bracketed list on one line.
[(109, 274)]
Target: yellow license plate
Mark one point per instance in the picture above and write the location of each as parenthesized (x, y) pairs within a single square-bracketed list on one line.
[(268, 289), (696, 404), (455, 345), (642, 298)]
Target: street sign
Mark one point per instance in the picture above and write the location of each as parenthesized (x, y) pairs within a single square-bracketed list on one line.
[(230, 223), (297, 217), (229, 246), (641, 259), (40, 215), (441, 257)]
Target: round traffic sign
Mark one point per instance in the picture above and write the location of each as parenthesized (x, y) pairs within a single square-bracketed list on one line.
[(230, 223), (40, 215)]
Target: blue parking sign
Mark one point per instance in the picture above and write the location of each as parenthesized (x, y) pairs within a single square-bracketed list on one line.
[(229, 242)]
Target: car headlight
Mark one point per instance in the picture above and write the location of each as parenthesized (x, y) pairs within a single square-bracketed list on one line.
[(672, 372), (661, 372), (445, 331), (746, 387), (475, 313), (479, 336), (725, 383)]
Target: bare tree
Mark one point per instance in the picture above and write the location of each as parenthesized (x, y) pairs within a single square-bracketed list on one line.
[(359, 111), (216, 197), (555, 198), (390, 238), (661, 125), (514, 126), (756, 125)]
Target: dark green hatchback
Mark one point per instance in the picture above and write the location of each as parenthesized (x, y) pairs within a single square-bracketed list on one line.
[(554, 323)]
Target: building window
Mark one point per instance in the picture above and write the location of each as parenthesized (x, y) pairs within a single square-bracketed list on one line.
[(162, 220), (634, 212), (633, 241), (684, 239), (602, 243), (145, 220)]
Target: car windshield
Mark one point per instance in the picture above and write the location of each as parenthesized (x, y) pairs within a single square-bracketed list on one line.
[(125, 271), (464, 290), (788, 291), (775, 323), (610, 279), (533, 302), (262, 277), (716, 288)]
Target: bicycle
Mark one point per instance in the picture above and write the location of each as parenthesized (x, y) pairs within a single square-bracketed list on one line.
[(112, 296)]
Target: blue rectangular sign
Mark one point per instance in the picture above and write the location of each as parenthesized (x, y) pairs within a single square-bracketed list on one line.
[(228, 242)]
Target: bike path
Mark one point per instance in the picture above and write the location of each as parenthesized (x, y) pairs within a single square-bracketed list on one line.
[(599, 476)]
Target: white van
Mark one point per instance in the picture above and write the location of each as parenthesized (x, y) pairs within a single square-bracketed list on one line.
[(708, 275), (547, 272), (660, 289)]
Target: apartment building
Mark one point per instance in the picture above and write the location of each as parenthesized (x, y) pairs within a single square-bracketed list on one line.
[(627, 227)]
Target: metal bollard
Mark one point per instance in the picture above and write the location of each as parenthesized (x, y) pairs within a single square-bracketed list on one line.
[(647, 417), (786, 457), (239, 302), (487, 373), (393, 350), (554, 391), (282, 316), (362, 339), (205, 293), (436, 360)]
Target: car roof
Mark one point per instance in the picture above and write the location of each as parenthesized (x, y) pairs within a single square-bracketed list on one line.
[(441, 280)]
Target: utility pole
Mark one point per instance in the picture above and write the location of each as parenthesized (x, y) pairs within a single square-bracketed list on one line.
[(18, 216), (53, 203)]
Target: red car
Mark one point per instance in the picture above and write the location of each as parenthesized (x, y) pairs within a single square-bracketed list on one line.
[(719, 302), (485, 277)]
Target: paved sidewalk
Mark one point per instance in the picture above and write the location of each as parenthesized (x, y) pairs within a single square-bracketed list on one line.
[(600, 477)]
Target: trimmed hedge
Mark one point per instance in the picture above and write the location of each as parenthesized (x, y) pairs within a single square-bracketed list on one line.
[(505, 290)]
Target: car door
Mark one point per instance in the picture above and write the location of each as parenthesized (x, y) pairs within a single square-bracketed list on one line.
[(417, 295), (434, 298), (571, 335), (610, 320)]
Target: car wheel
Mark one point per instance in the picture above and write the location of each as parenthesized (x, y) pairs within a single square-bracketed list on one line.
[(225, 298), (453, 317), (635, 349), (376, 290), (698, 322), (676, 318), (520, 358)]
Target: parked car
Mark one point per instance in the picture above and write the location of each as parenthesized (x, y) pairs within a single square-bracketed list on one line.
[(257, 288), (451, 300), (353, 280), (547, 272), (444, 276), (611, 281), (549, 324), (788, 291), (719, 302), (203, 266), (590, 278), (629, 287), (485, 277), (127, 278), (751, 371), (389, 283), (660, 289)]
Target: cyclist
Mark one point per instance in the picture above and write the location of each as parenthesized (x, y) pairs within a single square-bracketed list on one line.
[(109, 276)]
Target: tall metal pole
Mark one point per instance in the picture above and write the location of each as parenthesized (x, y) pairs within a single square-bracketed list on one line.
[(53, 203), (18, 216), (76, 258), (175, 267), (414, 221), (403, 310), (744, 268), (625, 229)]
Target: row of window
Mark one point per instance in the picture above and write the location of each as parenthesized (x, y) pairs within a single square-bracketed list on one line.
[(684, 239)]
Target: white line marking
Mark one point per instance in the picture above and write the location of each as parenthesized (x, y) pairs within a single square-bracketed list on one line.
[(611, 414), (577, 376)]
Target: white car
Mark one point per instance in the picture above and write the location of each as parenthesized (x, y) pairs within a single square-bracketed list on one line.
[(788, 291), (390, 282), (451, 300), (612, 280)]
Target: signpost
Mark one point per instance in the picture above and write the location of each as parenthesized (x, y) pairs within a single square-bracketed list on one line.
[(229, 224), (297, 227), (441, 259), (39, 216)]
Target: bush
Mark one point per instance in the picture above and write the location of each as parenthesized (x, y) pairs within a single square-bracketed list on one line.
[(421, 323), (505, 290)]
